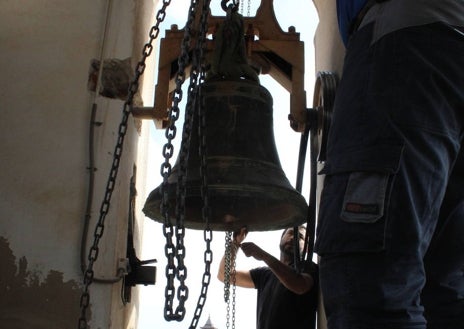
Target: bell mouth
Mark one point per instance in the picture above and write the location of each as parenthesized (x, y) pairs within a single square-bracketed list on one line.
[(232, 207)]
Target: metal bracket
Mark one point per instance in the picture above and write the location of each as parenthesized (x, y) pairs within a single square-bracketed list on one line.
[(277, 53), (141, 274), (138, 273)]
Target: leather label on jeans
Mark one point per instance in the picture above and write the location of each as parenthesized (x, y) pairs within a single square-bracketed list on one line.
[(359, 208)]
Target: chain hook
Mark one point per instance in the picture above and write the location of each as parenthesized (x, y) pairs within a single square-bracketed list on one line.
[(234, 6)]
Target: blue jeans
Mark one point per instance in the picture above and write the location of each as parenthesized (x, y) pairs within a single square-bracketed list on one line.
[(390, 232)]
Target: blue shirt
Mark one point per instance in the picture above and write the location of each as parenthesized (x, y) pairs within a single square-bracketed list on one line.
[(347, 10)]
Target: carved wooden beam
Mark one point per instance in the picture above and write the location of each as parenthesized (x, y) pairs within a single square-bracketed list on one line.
[(277, 53)]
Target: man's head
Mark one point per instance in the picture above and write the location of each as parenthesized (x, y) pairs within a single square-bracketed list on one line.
[(286, 240)]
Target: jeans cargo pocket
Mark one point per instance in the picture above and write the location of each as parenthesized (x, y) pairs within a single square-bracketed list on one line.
[(354, 204), (353, 213), (364, 200)]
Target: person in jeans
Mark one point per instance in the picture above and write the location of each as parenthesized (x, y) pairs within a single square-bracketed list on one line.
[(390, 232)]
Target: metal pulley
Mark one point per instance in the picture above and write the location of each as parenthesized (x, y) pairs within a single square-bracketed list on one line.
[(318, 125), (246, 183), (321, 113)]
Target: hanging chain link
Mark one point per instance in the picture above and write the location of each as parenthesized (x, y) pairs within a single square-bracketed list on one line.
[(242, 4), (199, 104), (177, 252), (229, 278), (98, 233), (235, 4), (233, 293), (227, 261)]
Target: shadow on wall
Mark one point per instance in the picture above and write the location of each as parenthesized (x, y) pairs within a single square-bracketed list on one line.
[(28, 300)]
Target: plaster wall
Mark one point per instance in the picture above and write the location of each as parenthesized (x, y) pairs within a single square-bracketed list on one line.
[(329, 49), (45, 113)]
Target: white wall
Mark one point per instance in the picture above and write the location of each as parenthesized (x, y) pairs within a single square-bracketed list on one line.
[(46, 49)]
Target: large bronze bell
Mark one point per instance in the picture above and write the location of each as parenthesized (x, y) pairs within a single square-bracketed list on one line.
[(246, 183)]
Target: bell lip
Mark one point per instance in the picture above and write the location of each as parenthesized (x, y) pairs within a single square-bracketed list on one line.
[(283, 208)]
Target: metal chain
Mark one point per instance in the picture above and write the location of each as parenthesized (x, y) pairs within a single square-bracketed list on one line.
[(233, 289), (127, 107), (242, 4), (227, 261), (200, 64), (229, 278), (178, 251), (235, 4)]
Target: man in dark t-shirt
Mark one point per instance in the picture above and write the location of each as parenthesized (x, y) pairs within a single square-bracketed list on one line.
[(287, 298)]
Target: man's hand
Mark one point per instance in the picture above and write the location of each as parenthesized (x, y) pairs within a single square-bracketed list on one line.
[(240, 235), (252, 250), (242, 278)]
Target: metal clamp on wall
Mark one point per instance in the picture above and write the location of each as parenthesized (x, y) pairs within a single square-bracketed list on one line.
[(139, 273)]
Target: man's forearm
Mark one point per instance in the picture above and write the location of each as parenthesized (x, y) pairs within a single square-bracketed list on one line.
[(299, 283)]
